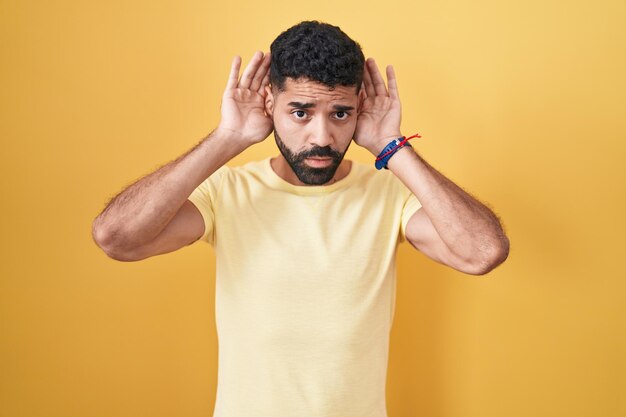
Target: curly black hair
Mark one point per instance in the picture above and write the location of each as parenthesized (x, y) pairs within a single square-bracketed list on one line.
[(317, 51)]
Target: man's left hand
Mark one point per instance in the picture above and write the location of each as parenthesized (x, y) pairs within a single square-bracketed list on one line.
[(378, 122)]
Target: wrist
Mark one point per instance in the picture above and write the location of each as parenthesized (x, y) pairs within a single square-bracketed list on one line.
[(226, 142), (231, 137), (377, 147)]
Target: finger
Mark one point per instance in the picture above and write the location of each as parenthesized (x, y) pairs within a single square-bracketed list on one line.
[(248, 73), (393, 85), (234, 73), (377, 78), (260, 73), (367, 80)]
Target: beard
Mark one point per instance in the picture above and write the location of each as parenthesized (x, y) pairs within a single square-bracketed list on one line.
[(305, 173)]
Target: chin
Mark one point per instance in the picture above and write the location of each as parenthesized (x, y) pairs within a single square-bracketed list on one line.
[(314, 176)]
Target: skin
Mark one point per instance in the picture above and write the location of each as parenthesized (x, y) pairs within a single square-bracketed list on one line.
[(314, 127), (153, 215), (452, 227)]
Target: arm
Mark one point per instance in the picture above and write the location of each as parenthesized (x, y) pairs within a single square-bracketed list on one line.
[(134, 219), (451, 227), (153, 215)]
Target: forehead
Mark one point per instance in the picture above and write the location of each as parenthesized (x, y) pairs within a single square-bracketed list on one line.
[(314, 91)]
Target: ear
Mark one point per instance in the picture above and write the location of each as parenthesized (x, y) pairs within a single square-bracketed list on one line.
[(360, 100), (269, 101)]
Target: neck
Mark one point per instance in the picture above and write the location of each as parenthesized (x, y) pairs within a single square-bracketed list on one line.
[(283, 169)]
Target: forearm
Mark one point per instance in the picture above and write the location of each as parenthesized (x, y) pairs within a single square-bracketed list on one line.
[(469, 228), (142, 210)]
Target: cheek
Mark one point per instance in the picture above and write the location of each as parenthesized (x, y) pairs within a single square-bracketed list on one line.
[(286, 125), (351, 125), (348, 128), (290, 133)]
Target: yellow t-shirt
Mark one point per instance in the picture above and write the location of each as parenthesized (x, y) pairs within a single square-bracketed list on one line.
[(305, 289)]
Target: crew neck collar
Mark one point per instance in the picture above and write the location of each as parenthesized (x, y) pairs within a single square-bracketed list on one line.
[(280, 183)]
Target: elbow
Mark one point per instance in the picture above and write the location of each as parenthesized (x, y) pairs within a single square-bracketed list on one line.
[(121, 256), (496, 257), (106, 240)]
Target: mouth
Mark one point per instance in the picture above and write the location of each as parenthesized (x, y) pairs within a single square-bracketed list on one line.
[(319, 162)]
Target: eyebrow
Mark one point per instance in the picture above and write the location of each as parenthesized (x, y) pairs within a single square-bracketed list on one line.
[(299, 105)]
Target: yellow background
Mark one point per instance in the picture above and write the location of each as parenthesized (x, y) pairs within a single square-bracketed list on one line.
[(520, 103)]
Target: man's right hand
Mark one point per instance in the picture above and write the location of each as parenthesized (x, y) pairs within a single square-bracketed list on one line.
[(243, 109)]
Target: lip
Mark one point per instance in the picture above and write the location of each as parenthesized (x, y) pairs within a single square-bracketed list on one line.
[(319, 162)]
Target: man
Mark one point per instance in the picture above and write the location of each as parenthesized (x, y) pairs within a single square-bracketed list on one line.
[(305, 241)]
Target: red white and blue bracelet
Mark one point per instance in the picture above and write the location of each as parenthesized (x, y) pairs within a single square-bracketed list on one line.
[(389, 150)]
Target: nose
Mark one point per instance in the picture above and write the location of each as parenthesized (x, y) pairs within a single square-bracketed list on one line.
[(320, 133)]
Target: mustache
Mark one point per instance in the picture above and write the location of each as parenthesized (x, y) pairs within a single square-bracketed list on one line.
[(319, 151)]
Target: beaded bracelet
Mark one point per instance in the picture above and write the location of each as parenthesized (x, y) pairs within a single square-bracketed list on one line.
[(389, 150)]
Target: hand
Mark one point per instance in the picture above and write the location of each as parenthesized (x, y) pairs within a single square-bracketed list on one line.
[(243, 109), (378, 122)]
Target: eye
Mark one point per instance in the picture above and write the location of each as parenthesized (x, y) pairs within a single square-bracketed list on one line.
[(342, 115), (299, 114)]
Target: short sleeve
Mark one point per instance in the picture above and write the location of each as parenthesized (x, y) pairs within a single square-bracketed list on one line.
[(409, 208), (204, 197)]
